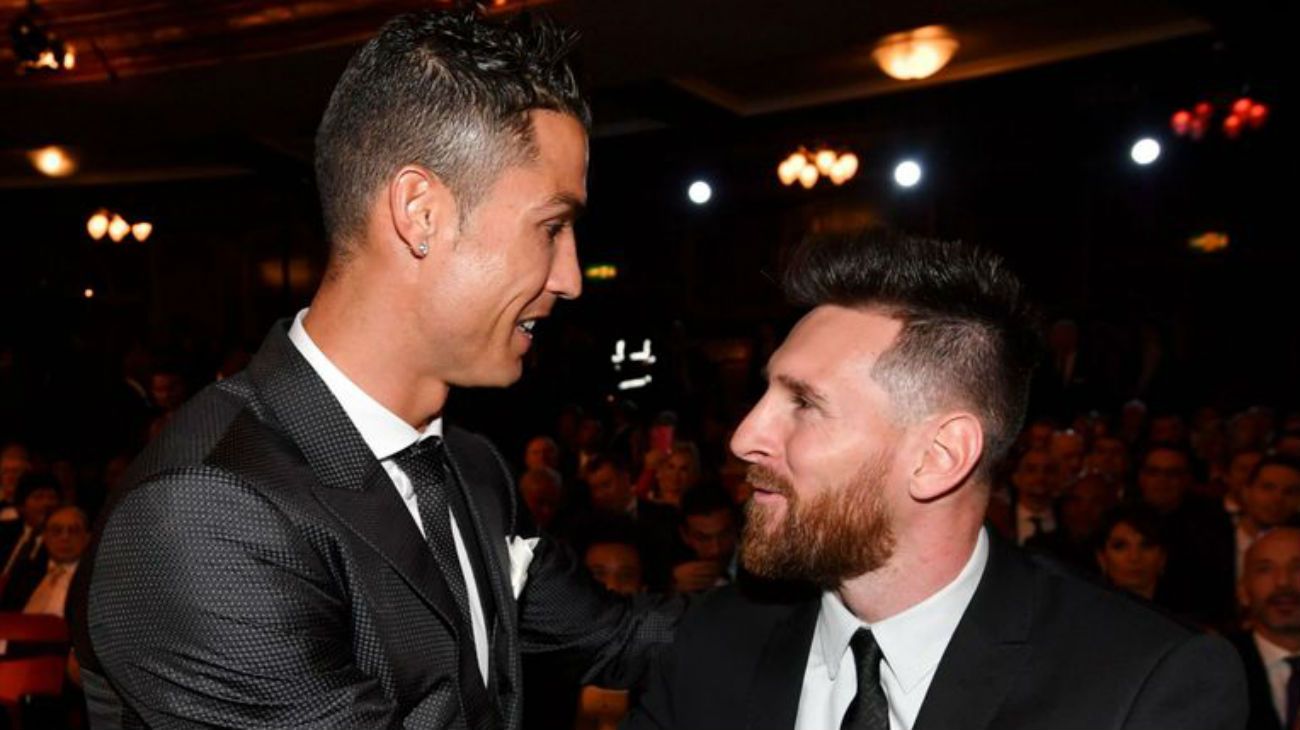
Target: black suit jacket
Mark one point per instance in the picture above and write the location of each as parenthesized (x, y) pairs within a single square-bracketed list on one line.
[(259, 569), (1036, 650), (1263, 714)]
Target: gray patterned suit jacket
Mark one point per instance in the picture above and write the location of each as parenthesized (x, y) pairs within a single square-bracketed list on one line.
[(259, 569)]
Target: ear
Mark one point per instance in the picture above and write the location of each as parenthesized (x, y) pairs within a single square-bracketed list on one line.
[(421, 207), (951, 451)]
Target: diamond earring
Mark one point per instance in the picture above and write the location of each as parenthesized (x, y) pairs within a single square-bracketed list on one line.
[(422, 249)]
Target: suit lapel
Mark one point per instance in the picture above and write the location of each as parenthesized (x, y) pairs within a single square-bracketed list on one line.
[(989, 649), (351, 483), (778, 682)]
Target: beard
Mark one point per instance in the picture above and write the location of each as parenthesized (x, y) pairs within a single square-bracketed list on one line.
[(839, 533)]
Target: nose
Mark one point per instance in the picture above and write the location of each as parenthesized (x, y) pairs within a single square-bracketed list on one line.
[(565, 279), (752, 440)]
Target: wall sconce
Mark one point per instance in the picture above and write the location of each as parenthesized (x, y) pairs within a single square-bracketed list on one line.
[(915, 54), (807, 168)]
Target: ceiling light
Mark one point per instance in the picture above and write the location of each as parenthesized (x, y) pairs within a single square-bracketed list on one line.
[(52, 161), (907, 174), (36, 47), (699, 192), (1145, 151), (915, 54)]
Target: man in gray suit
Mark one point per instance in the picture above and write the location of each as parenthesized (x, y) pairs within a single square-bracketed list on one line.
[(308, 543)]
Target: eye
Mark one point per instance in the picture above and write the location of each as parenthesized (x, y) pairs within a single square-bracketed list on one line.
[(554, 229), (800, 402)]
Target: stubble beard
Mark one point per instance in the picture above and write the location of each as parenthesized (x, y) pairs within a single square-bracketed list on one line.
[(837, 534)]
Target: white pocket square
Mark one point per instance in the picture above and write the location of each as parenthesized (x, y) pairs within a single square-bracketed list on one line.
[(521, 555)]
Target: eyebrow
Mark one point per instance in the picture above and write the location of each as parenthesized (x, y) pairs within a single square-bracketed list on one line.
[(802, 388), (574, 207)]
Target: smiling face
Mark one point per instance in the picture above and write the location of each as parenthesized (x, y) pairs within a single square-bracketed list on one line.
[(1270, 586), (506, 262), (824, 452)]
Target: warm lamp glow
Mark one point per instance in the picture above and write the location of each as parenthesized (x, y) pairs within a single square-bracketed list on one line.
[(845, 168), (825, 160), (97, 226), (88, 293), (915, 54), (118, 228), (141, 231), (52, 161), (1209, 242), (808, 176)]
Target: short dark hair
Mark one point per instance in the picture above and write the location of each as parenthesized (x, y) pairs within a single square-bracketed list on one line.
[(969, 334), (33, 482), (1274, 459), (604, 459), (705, 501), (446, 90), (1144, 520)]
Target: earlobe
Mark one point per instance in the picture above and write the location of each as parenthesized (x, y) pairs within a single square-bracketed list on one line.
[(413, 204)]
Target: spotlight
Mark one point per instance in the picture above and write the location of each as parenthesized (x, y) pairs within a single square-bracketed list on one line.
[(907, 174), (97, 226), (52, 161), (1145, 151), (700, 192), (141, 230), (88, 293), (118, 228)]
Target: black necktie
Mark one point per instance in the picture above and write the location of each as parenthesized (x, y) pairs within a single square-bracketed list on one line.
[(869, 710), (1292, 691), (424, 464)]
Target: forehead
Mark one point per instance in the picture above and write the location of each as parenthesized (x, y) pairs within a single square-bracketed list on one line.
[(1282, 546), (1166, 458), (835, 347), (615, 552), (1278, 473)]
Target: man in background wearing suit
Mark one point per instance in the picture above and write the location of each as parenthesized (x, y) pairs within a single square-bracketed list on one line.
[(870, 454), (1269, 589), (308, 543)]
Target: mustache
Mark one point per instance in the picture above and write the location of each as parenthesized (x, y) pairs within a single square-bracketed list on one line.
[(1283, 595), (763, 478)]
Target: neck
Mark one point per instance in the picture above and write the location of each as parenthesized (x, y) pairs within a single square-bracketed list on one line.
[(1289, 640), (915, 572), (357, 329)]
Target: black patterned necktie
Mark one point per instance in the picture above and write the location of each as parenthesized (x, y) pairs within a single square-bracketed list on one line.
[(869, 710), (423, 463)]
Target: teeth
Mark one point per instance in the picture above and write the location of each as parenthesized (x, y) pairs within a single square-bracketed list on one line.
[(527, 326)]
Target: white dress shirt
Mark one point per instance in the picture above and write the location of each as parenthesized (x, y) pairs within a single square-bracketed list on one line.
[(912, 643), (51, 594), (387, 434), (1278, 670), (1028, 522)]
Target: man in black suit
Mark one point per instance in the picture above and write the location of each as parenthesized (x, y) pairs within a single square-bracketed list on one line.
[(870, 456), (1269, 589), (307, 543)]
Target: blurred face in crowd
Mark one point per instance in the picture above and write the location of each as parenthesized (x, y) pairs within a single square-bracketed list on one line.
[(1167, 430), (677, 474), (827, 453), (1035, 476), (541, 491), (1085, 504), (1130, 560), (1239, 471), (589, 434), (1269, 588), (1066, 448), (1109, 457), (1039, 434), (38, 506), (1272, 497), (611, 490), (615, 565), (542, 452), (13, 465), (167, 390), (1288, 445), (1164, 479), (66, 534), (711, 536)]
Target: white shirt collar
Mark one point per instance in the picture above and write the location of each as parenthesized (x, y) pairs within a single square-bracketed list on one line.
[(1270, 653), (913, 641), (383, 431)]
